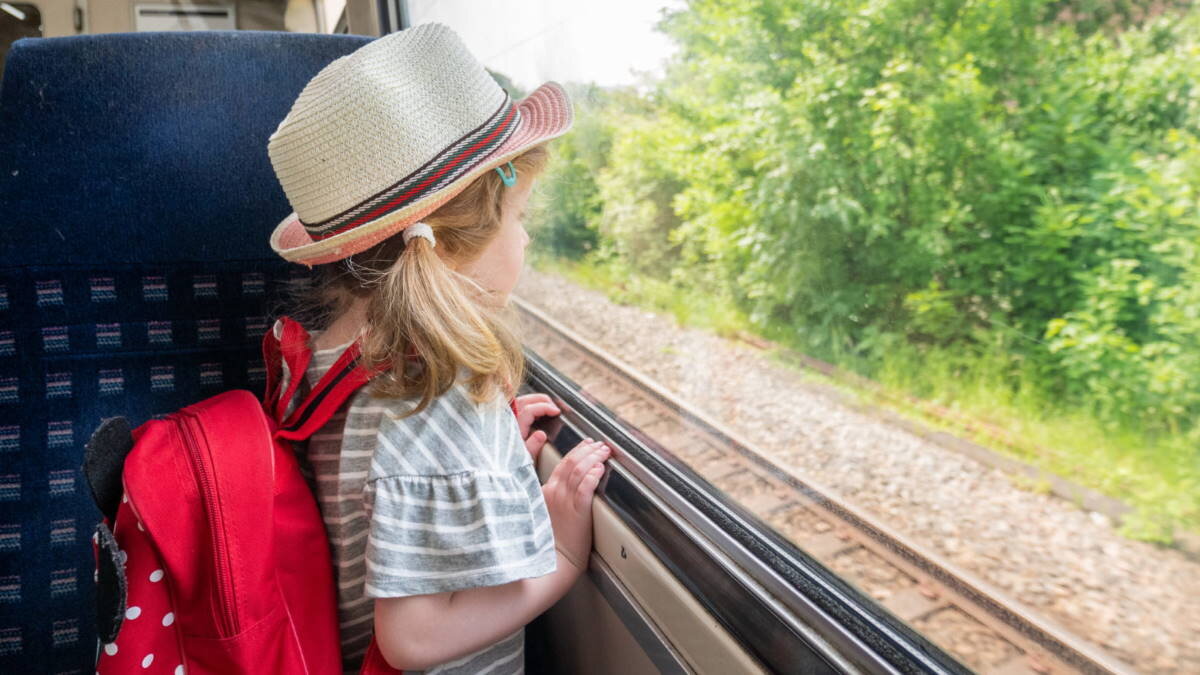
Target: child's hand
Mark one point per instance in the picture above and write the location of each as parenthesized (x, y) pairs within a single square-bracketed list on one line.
[(568, 494), (529, 407)]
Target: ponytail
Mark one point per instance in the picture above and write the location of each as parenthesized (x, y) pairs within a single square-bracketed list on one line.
[(423, 308), (430, 323)]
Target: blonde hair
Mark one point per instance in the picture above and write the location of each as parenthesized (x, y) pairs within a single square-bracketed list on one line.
[(418, 305)]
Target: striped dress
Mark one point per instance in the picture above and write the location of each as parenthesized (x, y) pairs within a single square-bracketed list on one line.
[(443, 500)]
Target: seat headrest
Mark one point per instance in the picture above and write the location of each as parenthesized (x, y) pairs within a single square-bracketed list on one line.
[(148, 147)]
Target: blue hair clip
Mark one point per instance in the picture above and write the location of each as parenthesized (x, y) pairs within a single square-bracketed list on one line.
[(511, 179)]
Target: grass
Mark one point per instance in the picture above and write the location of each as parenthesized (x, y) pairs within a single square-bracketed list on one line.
[(690, 308), (1158, 477)]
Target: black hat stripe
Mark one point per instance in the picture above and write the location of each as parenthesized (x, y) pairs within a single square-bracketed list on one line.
[(500, 127)]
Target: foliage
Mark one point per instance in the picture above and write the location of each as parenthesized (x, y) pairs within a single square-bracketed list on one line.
[(569, 187), (1009, 182)]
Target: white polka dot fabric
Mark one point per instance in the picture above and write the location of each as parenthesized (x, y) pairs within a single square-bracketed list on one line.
[(147, 642)]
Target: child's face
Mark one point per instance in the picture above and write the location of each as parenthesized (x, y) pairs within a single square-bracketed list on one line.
[(499, 266)]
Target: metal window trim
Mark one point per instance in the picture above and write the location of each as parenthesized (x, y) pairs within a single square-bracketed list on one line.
[(714, 552), (836, 618), (393, 15)]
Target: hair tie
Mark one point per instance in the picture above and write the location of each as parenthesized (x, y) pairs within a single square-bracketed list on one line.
[(419, 230), (509, 180)]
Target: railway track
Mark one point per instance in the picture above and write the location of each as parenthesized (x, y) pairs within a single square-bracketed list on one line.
[(971, 620)]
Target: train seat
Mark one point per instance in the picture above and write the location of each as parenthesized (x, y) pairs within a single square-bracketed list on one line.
[(135, 275)]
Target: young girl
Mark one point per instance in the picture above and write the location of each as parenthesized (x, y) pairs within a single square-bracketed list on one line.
[(444, 542)]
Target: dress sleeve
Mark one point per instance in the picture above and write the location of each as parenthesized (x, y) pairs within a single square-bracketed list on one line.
[(431, 534)]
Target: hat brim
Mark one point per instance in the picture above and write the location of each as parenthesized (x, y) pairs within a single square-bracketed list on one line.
[(546, 113)]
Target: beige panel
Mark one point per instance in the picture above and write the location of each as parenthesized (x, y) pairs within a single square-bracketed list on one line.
[(362, 18), (116, 16), (588, 638), (260, 14), (694, 633), (300, 17), (58, 16), (109, 16)]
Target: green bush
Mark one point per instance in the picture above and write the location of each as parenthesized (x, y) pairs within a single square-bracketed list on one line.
[(1004, 186), (941, 170)]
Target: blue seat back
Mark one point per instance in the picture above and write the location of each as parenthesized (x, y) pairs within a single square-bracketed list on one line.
[(136, 199)]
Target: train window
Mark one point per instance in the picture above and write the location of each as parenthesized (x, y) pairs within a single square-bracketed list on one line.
[(905, 289), (158, 16), (17, 20), (297, 16)]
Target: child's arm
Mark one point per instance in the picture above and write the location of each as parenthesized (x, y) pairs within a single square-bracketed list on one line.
[(419, 631)]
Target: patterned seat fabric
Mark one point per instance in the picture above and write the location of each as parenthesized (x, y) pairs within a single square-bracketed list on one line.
[(136, 197)]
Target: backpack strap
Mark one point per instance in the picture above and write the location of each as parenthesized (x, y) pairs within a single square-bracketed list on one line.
[(285, 342), (344, 377), (288, 342)]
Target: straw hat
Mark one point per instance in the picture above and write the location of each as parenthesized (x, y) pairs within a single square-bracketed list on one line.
[(388, 133)]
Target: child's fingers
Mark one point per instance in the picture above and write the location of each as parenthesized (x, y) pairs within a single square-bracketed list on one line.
[(594, 456), (584, 444), (528, 412), (534, 444), (561, 476), (587, 487), (535, 410), (536, 405), (570, 464), (533, 398)]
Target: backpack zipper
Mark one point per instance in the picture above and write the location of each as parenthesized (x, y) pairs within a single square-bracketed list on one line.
[(226, 599)]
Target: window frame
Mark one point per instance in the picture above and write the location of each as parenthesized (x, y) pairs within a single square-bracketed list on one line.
[(781, 604)]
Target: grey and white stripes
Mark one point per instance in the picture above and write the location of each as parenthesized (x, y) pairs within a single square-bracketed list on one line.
[(444, 500)]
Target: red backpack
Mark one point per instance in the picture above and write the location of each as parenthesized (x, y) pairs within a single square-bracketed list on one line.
[(212, 556)]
